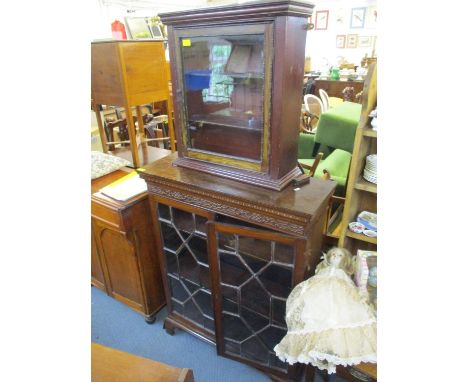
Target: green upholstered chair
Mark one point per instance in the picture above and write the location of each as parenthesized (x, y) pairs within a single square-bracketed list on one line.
[(335, 139)]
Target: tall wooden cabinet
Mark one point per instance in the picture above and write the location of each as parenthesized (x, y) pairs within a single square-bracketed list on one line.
[(234, 237), (231, 253), (130, 74)]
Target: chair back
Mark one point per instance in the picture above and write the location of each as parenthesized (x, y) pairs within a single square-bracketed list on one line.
[(325, 100), (314, 109)]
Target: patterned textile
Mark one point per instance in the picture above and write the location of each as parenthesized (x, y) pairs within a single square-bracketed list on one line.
[(103, 164)]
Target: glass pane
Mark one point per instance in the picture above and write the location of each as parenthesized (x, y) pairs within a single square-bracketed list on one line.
[(277, 280), (163, 212), (170, 238), (255, 349), (178, 291), (186, 253), (224, 82), (232, 347), (193, 312), (256, 278), (171, 262), (233, 272), (255, 248), (199, 249), (284, 253), (234, 328), (183, 221), (278, 311), (188, 266), (200, 223), (226, 242), (203, 300)]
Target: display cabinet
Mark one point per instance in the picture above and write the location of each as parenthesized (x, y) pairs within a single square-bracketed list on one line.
[(237, 77), (230, 254)]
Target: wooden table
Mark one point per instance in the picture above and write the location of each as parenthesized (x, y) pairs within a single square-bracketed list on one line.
[(130, 74), (334, 88), (111, 365)]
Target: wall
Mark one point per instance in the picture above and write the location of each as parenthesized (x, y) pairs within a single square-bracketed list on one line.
[(106, 11), (321, 44)]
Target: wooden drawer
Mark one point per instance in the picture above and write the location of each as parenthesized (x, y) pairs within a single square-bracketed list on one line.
[(107, 215)]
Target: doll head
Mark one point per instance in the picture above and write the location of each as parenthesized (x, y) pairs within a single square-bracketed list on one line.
[(338, 258)]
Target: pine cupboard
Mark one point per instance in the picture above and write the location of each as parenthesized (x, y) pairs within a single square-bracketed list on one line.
[(124, 263)]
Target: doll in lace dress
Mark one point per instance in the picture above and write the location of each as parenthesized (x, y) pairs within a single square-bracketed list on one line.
[(329, 322)]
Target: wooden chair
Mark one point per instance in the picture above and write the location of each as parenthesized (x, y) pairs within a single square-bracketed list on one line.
[(156, 130), (313, 108), (328, 102), (335, 205), (151, 126)]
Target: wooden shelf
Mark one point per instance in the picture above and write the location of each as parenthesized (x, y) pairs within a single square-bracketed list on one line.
[(362, 237), (364, 185), (367, 132)]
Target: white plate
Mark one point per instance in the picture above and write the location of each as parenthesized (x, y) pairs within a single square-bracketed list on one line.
[(372, 179), (369, 233), (356, 227)]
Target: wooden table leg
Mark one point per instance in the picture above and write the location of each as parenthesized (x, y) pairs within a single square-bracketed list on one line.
[(141, 127), (102, 133), (132, 135)]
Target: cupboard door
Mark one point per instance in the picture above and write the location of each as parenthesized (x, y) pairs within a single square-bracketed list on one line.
[(252, 275), (97, 275), (121, 265), (185, 265)]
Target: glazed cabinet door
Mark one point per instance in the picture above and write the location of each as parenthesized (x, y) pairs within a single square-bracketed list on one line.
[(182, 238), (223, 93), (253, 273)]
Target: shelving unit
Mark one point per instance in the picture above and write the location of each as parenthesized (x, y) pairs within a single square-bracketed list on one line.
[(361, 195)]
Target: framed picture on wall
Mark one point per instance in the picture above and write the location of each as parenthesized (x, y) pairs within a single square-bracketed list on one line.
[(358, 16), (364, 41), (340, 41), (321, 20), (351, 41), (371, 17), (138, 28)]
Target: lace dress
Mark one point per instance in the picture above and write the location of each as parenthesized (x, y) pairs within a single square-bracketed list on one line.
[(329, 323)]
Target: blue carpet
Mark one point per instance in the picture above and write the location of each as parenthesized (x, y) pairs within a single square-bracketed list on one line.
[(115, 325)]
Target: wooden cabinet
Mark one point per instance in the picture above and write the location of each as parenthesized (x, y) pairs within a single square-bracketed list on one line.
[(130, 74), (237, 76), (230, 255), (124, 262), (335, 88)]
